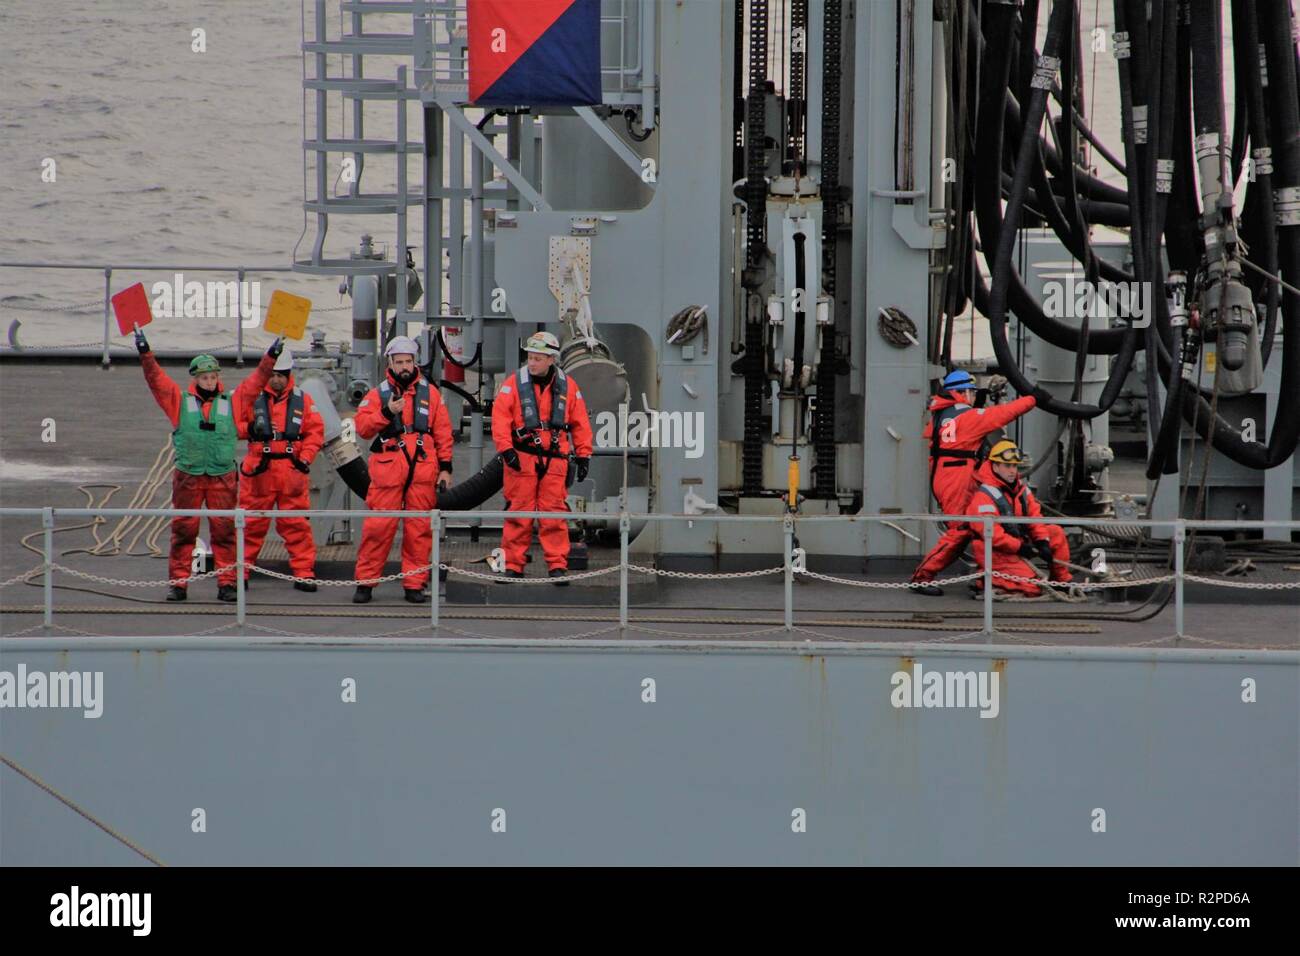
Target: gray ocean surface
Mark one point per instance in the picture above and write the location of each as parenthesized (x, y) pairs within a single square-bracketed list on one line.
[(164, 155)]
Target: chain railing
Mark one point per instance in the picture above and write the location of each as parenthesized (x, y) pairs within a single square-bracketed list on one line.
[(794, 561)]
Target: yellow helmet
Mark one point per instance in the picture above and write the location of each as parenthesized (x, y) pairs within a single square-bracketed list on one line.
[(1005, 453)]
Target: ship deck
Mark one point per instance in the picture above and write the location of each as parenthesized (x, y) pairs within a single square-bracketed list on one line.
[(103, 451)]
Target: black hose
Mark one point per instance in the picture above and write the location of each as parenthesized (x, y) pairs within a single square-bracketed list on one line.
[(1165, 447), (1225, 437), (356, 475), (476, 489), (1259, 224), (1002, 273), (446, 353), (1148, 74), (474, 405), (1284, 109), (1171, 422), (1089, 185), (1081, 124), (988, 198)]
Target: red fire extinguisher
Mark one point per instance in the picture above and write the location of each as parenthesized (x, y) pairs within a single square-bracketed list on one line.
[(453, 341)]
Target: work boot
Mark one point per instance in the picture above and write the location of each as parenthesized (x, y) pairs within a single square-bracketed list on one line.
[(247, 582), (514, 574), (558, 574), (227, 592), (362, 594), (416, 595), (928, 588), (308, 586), (177, 593)]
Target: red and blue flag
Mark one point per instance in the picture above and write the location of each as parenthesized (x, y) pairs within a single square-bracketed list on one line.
[(534, 52)]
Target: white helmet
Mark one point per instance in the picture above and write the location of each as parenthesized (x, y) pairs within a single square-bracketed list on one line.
[(402, 345), (543, 343), (285, 361)]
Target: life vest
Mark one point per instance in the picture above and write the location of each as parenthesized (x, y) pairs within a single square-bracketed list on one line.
[(1006, 509), (953, 457), (205, 446), (260, 429), (397, 429), (956, 455), (528, 438)]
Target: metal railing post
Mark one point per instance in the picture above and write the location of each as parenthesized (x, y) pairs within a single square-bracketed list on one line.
[(47, 522), (1180, 535), (108, 305), (435, 558), (624, 525), (988, 578), (239, 318), (239, 566), (787, 529)]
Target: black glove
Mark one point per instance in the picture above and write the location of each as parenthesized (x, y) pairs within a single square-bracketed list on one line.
[(1027, 549), (1044, 549), (304, 467), (276, 347), (583, 465), (511, 458), (141, 343), (444, 483)]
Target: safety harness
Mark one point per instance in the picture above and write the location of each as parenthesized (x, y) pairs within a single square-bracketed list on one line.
[(397, 429), (261, 429), (528, 439), (1005, 509), (956, 456)]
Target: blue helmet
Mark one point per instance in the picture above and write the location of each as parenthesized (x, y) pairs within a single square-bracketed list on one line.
[(958, 381)]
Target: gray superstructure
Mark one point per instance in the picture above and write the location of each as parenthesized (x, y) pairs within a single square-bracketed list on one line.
[(766, 280)]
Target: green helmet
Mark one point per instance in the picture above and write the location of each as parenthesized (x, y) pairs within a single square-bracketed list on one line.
[(204, 363)]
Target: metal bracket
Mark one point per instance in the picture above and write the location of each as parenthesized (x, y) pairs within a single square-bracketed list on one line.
[(484, 146), (622, 149)]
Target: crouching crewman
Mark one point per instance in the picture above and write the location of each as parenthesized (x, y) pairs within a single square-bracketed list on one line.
[(999, 492)]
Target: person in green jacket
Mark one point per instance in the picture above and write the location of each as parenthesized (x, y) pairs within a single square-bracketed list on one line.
[(204, 439)]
